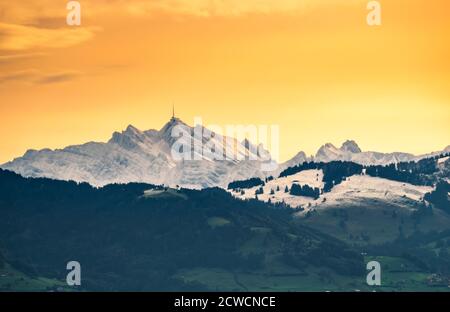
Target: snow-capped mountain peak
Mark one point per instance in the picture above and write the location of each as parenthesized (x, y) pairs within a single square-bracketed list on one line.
[(129, 139), (350, 146), (328, 152), (132, 130), (146, 156), (171, 124), (350, 151), (447, 149)]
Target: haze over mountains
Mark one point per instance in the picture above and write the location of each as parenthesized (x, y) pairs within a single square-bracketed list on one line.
[(145, 156)]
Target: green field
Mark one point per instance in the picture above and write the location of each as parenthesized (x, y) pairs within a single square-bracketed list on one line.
[(374, 222), (397, 275)]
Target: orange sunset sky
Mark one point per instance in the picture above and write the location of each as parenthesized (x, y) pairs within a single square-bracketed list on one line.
[(313, 67)]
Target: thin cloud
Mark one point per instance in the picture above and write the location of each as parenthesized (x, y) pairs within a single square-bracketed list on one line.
[(28, 12), (20, 38), (34, 76), (209, 8), (57, 77), (24, 76), (36, 11), (20, 56), (227, 8)]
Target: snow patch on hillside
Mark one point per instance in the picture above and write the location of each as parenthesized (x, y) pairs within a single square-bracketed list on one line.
[(313, 178), (359, 187), (443, 160), (354, 190)]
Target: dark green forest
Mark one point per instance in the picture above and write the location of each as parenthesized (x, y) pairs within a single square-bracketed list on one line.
[(128, 240)]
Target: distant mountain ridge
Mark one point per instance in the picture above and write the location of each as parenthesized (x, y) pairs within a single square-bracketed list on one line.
[(142, 156), (145, 156), (350, 151)]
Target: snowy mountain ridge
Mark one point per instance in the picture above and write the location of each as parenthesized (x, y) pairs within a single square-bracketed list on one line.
[(350, 151), (143, 156), (146, 156), (355, 190)]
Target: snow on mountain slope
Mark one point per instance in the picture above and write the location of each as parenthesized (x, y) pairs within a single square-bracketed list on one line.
[(296, 160), (329, 152), (312, 178), (355, 190), (350, 151), (145, 156), (358, 188), (350, 146), (443, 160)]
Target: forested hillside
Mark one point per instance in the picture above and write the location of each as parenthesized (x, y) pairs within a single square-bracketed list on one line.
[(128, 239)]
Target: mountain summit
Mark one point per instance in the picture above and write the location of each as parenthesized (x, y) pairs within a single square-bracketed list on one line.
[(146, 156), (330, 152), (350, 151), (350, 146), (143, 156)]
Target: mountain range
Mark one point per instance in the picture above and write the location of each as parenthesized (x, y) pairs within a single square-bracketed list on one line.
[(311, 225), (145, 156), (350, 151)]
